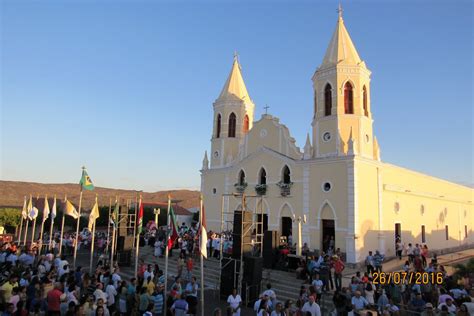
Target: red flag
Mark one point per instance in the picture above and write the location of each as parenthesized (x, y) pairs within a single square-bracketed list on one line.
[(140, 217), (173, 230)]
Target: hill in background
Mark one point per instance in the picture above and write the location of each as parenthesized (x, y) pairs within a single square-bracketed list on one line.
[(12, 194)]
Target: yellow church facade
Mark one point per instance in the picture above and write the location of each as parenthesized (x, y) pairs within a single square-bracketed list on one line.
[(337, 181)]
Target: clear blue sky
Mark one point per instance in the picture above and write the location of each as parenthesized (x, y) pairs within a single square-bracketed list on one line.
[(126, 87)]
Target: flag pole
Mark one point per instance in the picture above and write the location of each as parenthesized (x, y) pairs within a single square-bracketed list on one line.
[(19, 233), (202, 257), (108, 226), (27, 221), (42, 227), (51, 226), (77, 227), (34, 225), (21, 223), (136, 217), (137, 249), (62, 230), (92, 242), (113, 237), (166, 253), (26, 232)]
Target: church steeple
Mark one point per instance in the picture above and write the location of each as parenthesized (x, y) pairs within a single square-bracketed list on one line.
[(341, 49), (233, 118), (342, 123), (235, 86)]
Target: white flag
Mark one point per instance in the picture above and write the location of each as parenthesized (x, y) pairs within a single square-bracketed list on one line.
[(33, 213), (24, 212), (46, 209), (53, 210)]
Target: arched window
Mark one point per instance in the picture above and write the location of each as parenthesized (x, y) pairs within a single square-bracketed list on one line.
[(262, 177), (364, 101), (286, 178), (315, 103), (348, 99), (218, 126), (327, 100), (232, 123), (246, 123), (241, 177)]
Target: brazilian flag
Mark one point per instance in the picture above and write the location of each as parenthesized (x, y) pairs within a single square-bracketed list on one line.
[(86, 181)]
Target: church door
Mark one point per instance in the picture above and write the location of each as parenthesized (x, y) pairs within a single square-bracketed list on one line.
[(328, 235), (286, 224)]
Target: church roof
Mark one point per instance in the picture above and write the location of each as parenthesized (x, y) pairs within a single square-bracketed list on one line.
[(341, 49), (235, 86)]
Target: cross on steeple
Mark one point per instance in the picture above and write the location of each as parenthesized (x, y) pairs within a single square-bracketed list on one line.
[(266, 107), (339, 10)]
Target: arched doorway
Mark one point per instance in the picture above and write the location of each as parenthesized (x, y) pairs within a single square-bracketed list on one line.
[(286, 222), (328, 228)]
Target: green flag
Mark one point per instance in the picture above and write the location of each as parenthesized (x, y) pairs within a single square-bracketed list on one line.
[(86, 182)]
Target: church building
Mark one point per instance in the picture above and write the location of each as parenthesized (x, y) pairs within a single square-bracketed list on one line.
[(337, 182)]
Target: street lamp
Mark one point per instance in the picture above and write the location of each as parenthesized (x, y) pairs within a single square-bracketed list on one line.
[(156, 211)]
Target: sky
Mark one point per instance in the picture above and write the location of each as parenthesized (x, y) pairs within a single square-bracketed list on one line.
[(126, 88)]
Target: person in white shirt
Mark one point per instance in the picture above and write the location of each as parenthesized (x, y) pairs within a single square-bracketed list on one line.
[(312, 307), (116, 279), (449, 304), (99, 294), (271, 294), (63, 270), (264, 300), (235, 301), (111, 292), (148, 273)]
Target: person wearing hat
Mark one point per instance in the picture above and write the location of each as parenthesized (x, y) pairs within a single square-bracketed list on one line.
[(428, 310)]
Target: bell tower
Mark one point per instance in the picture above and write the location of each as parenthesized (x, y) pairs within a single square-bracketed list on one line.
[(233, 118), (342, 121)]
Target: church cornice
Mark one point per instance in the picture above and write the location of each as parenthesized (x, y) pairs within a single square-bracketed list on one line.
[(341, 69)]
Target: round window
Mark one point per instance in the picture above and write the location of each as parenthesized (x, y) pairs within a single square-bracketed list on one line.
[(326, 187), (326, 136), (216, 154)]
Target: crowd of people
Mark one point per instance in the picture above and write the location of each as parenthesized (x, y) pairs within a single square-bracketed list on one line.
[(33, 285), (46, 284), (365, 294)]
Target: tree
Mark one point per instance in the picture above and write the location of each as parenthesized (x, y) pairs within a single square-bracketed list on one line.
[(10, 217)]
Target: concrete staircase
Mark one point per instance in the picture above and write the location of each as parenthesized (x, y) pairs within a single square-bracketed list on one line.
[(284, 283)]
